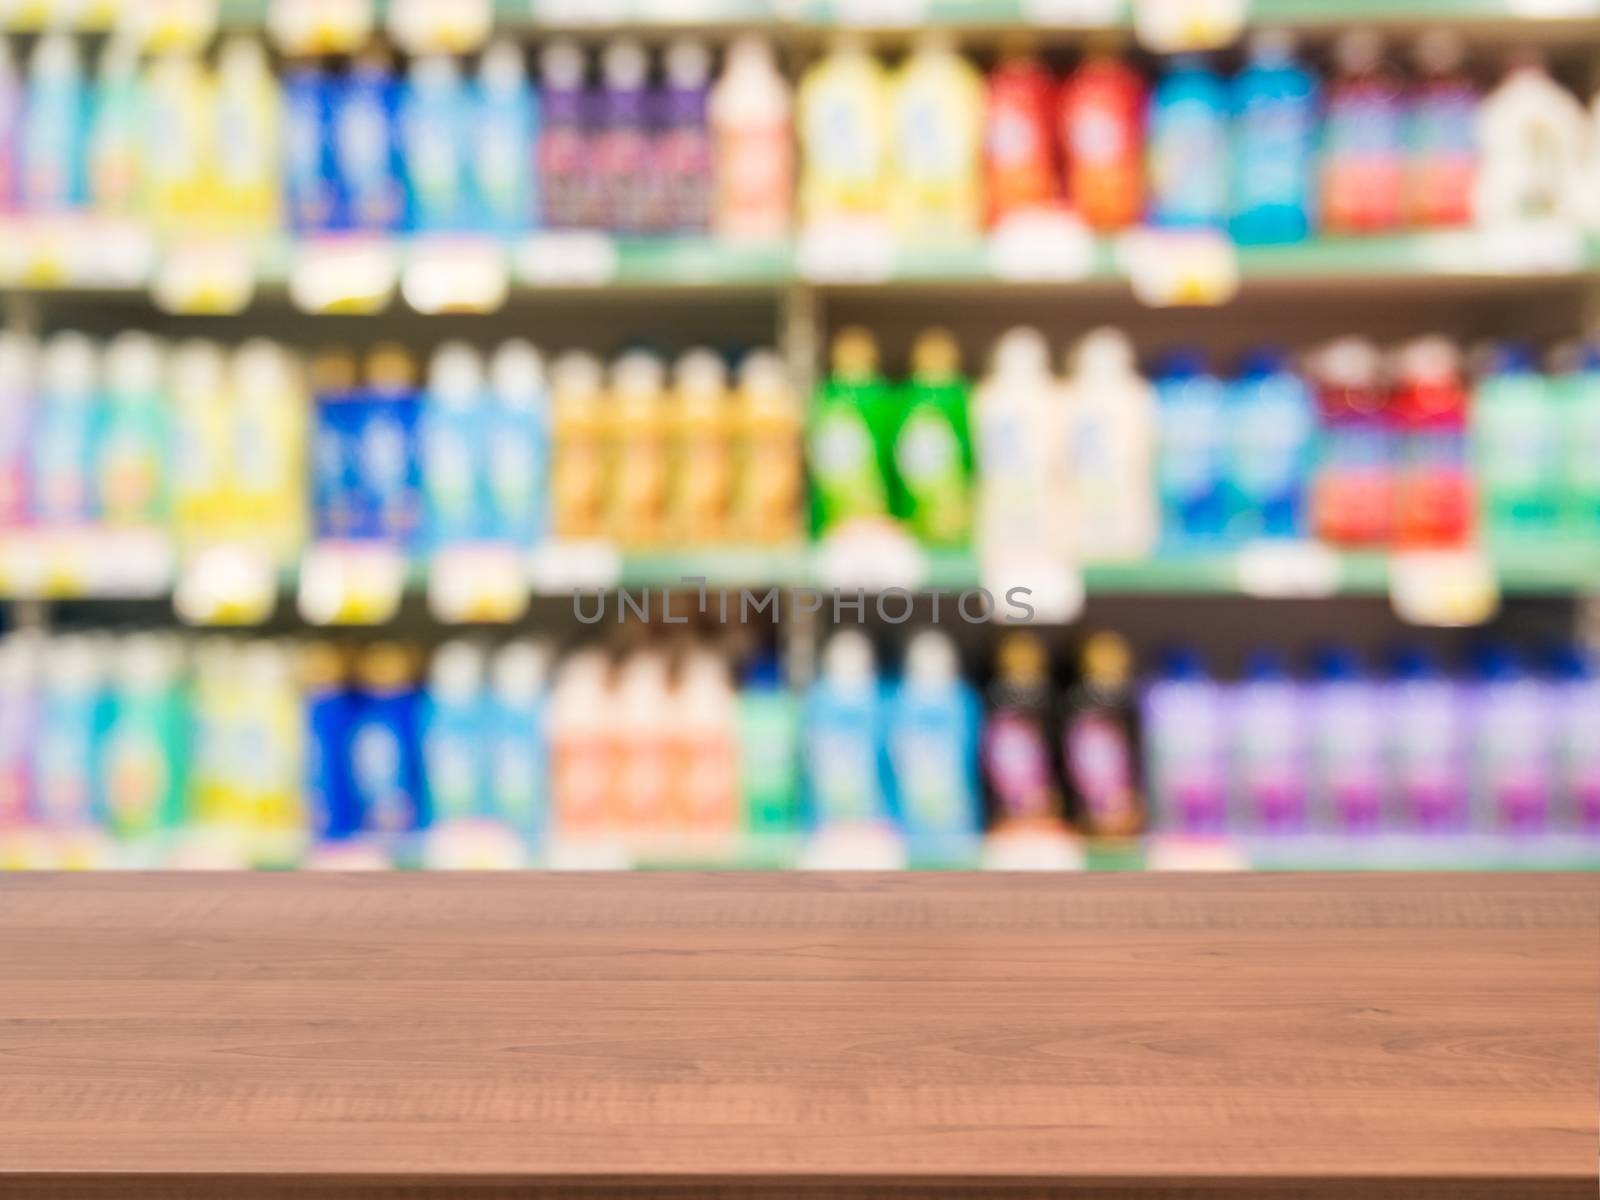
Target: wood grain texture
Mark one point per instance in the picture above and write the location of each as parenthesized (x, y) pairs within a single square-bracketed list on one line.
[(799, 1036)]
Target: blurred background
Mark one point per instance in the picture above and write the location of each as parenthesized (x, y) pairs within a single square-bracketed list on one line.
[(926, 433)]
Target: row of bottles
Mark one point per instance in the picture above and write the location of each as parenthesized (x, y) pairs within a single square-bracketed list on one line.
[(939, 150), (1349, 446), (185, 146)]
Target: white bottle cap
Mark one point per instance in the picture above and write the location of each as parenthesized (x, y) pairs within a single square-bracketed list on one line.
[(456, 672), (576, 373), (147, 662), (455, 375), (1433, 359), (516, 373), (502, 68), (751, 52), (583, 678), (638, 374), (70, 366), (74, 663), (561, 63), (199, 369), (642, 687), (242, 56), (847, 660), (1022, 351), (1359, 50), (262, 367), (1103, 352), (56, 56), (762, 373), (519, 671), (700, 372), (625, 65), (435, 72), (931, 660), (1349, 362), (19, 359), (265, 666), (688, 63), (134, 364)]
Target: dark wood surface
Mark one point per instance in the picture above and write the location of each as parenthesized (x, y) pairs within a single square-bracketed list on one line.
[(790, 1035)]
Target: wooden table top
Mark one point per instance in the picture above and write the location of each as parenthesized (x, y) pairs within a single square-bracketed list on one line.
[(790, 1035)]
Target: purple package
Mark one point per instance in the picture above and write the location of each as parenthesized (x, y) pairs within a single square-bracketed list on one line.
[(1185, 748), (1513, 746), (1347, 760), (1426, 717), (1267, 745)]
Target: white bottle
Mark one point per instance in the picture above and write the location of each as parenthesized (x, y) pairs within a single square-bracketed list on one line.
[(1108, 440), (752, 145), (1021, 501), (1532, 136), (704, 748), (583, 756), (202, 422), (249, 137), (518, 435), (642, 737)]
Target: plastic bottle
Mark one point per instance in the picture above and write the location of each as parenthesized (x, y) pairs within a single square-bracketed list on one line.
[(453, 442), (71, 722), (1100, 750), (335, 447), (1109, 431), (366, 146), (1267, 748), (1271, 448), (1185, 747), (1102, 115), (1434, 503), (1348, 775), (638, 508), (249, 140), (269, 762), (1363, 138), (1532, 135), (21, 656), (385, 758), (769, 486), (55, 126), (1576, 705), (1578, 396), (621, 162), (66, 432), (751, 114), (1441, 135), (1514, 745), (19, 360), (1020, 169), (1353, 493), (936, 122), (681, 157), (310, 174), (1021, 500), (270, 421), (851, 412), (769, 752), (133, 448), (1019, 734), (502, 141), (455, 717), (144, 751), (1191, 453), (578, 474), (1274, 101), (703, 748), (118, 137), (933, 747), (182, 145), (703, 468), (844, 736), (517, 459), (566, 170), (330, 709), (11, 117), (843, 129), (1516, 430), (519, 765), (583, 761), (1427, 745), (641, 741), (1187, 150), (435, 122), (390, 465), (933, 445)]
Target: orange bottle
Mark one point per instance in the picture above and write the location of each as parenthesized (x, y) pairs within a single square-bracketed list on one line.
[(1102, 140)]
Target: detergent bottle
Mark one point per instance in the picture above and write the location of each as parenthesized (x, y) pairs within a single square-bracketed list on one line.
[(1099, 741), (1021, 173), (1579, 395), (1019, 734), (1352, 501), (518, 739), (1187, 147), (1434, 504), (933, 747), (454, 447), (133, 445), (579, 474), (517, 453), (844, 736), (436, 119), (1271, 448), (1427, 744), (932, 445), (1186, 744), (454, 733), (842, 122), (568, 188), (702, 460), (1518, 455), (181, 153), (65, 432), (1267, 748), (769, 487), (851, 412), (117, 135), (1347, 746), (936, 115), (249, 140), (643, 465), (1022, 500), (502, 138), (752, 145), (683, 145), (1363, 141), (1102, 114), (621, 152), (54, 128), (1441, 137), (1274, 145), (1108, 420), (1191, 453)]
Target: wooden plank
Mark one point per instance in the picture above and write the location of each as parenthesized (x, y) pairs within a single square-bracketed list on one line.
[(792, 1035)]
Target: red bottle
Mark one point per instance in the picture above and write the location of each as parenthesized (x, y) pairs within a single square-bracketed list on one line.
[(1019, 148), (1352, 495), (1434, 502), (1102, 140), (1363, 134)]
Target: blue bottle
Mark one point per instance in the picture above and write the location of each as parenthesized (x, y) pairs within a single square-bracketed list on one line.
[(1268, 748), (1187, 147), (1191, 407), (517, 458), (436, 122), (844, 738), (330, 720), (385, 749), (1274, 104), (73, 715), (455, 734), (55, 128), (66, 434), (1348, 765), (312, 196), (366, 148), (1426, 722), (389, 460), (933, 748), (451, 440), (503, 142), (1271, 449), (1185, 747), (518, 751), (339, 504)]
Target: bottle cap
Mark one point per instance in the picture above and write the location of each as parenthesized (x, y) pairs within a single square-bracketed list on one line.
[(516, 373), (700, 373), (847, 660), (1183, 663), (688, 63), (323, 667), (333, 372), (762, 374), (1021, 351), (1022, 659), (199, 371), (457, 671), (1432, 359), (935, 355), (74, 663), (1260, 362), (576, 373), (1511, 358), (1102, 353), (561, 64), (265, 368), (390, 367), (374, 59), (1349, 362), (240, 56), (519, 671), (134, 364), (55, 55), (1264, 666), (456, 376), (1185, 363), (435, 72), (931, 660), (502, 67), (1412, 662), (751, 52), (855, 353), (265, 666), (385, 667), (625, 65), (148, 662), (70, 366), (637, 375), (1338, 663), (1107, 660)]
